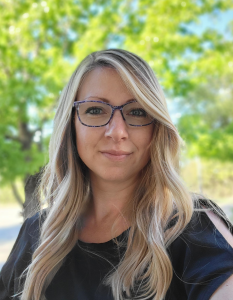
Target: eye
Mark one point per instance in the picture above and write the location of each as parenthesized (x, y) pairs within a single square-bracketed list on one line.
[(137, 112), (94, 110)]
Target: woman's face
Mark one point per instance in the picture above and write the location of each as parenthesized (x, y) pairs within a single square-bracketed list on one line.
[(115, 152)]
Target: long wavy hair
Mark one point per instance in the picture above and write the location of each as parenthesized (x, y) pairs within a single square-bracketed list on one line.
[(65, 187)]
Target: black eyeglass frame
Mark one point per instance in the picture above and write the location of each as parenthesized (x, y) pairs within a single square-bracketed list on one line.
[(120, 107)]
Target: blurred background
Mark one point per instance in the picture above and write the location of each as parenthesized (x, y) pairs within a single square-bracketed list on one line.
[(189, 45)]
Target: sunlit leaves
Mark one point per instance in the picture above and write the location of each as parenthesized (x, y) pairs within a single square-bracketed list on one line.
[(42, 42)]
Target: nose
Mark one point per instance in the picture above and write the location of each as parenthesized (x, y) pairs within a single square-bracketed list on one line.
[(117, 127)]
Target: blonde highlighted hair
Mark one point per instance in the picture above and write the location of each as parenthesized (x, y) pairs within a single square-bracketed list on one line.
[(65, 186)]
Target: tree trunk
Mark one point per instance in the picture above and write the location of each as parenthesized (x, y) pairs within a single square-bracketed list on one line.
[(31, 198), (16, 194), (31, 181)]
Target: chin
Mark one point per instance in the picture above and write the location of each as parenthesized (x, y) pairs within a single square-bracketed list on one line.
[(114, 176)]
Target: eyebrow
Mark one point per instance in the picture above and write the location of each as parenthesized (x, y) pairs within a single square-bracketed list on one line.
[(106, 100)]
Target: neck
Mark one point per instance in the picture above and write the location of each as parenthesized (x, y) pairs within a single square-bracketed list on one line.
[(110, 200)]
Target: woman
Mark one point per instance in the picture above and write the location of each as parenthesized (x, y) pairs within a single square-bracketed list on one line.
[(120, 224)]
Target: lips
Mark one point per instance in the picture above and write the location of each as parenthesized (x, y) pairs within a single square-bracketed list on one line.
[(115, 152), (115, 155)]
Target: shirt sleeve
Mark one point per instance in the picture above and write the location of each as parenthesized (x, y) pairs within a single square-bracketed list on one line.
[(19, 258), (201, 257), (3, 291)]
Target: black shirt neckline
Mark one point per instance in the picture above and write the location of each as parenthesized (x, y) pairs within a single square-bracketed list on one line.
[(106, 244)]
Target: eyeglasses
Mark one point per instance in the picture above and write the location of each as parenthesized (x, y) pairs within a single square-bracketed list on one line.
[(95, 113)]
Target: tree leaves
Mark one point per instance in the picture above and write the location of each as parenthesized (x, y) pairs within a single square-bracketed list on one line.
[(41, 43)]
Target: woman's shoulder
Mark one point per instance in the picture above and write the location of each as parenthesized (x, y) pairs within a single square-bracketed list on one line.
[(208, 218), (207, 225), (22, 251), (211, 206), (220, 221), (30, 229), (204, 210), (202, 255), (29, 233), (33, 225)]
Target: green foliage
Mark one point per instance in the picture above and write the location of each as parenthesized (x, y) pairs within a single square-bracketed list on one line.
[(207, 121), (41, 44)]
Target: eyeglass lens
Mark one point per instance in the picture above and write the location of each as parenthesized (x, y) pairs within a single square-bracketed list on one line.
[(97, 114)]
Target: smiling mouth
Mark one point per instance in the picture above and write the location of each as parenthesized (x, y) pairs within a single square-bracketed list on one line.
[(116, 152), (116, 155)]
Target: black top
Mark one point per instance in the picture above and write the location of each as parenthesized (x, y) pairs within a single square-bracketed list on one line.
[(201, 257)]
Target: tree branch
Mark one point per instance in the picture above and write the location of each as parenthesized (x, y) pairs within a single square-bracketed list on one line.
[(13, 138)]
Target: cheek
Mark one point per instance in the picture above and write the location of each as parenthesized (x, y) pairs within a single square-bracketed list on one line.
[(146, 144), (87, 139), (83, 139), (82, 136), (144, 139)]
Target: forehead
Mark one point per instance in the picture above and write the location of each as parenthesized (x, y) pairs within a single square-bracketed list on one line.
[(104, 83)]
